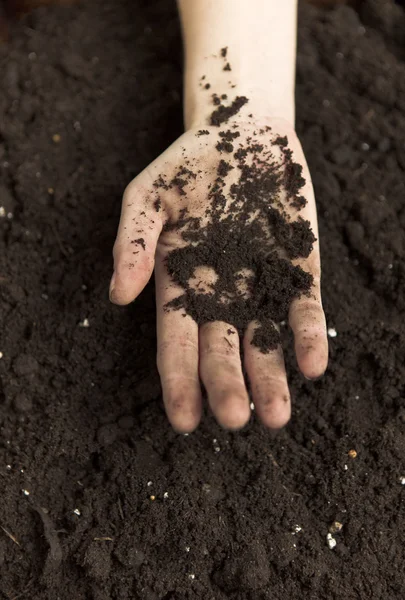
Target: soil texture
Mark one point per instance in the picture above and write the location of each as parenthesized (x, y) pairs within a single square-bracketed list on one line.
[(247, 236), (100, 498)]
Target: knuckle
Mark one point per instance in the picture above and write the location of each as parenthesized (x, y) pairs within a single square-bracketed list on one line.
[(168, 348), (273, 404), (307, 313), (220, 349), (129, 191), (266, 381)]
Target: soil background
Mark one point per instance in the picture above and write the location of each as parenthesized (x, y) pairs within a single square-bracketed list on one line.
[(82, 426)]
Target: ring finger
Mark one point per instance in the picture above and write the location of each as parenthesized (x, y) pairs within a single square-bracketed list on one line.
[(221, 373), (268, 382)]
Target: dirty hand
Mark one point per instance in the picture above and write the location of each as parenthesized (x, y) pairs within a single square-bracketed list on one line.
[(187, 353)]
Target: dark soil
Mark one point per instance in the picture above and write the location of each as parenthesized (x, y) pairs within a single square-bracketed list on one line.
[(235, 515), (248, 241), (223, 113)]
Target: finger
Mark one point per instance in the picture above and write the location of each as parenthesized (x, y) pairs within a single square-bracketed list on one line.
[(135, 246), (221, 373), (307, 320), (306, 316), (177, 355), (268, 382)]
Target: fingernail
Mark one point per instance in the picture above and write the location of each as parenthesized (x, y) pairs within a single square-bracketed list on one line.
[(112, 285)]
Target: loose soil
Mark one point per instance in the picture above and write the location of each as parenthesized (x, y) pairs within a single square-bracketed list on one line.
[(247, 236), (100, 498)]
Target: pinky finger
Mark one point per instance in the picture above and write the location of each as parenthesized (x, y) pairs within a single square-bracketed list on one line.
[(307, 320)]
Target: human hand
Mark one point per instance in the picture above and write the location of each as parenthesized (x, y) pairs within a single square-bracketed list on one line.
[(168, 210)]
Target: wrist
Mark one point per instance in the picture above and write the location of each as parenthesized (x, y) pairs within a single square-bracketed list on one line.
[(239, 48), (261, 105)]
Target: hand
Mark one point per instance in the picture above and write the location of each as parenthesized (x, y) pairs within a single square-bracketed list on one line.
[(187, 352)]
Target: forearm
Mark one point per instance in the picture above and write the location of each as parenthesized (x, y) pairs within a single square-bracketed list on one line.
[(260, 36)]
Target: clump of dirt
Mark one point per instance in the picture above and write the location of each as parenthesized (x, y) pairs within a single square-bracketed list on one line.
[(223, 113)]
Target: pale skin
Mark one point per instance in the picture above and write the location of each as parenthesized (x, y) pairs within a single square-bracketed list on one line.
[(260, 36)]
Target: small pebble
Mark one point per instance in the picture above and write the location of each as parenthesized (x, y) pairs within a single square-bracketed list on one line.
[(2, 211), (332, 332), (365, 146), (345, 467), (402, 480), (84, 323), (206, 488), (191, 576), (166, 495), (25, 492), (77, 512), (297, 528), (326, 103), (352, 453), (335, 527), (187, 548), (9, 215), (330, 540), (56, 138), (1, 354), (8, 467), (252, 406), (152, 498), (149, 483), (51, 191)]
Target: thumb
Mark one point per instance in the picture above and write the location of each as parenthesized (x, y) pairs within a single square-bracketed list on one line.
[(134, 249)]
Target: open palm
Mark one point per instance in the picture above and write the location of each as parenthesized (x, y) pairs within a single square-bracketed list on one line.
[(153, 210)]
